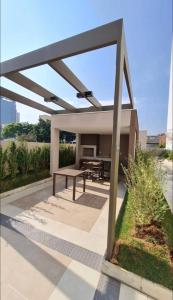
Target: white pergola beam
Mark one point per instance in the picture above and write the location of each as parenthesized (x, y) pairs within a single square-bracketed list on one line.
[(38, 89), (127, 73), (61, 68), (24, 100), (99, 37)]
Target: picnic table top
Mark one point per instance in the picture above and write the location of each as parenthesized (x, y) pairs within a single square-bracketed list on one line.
[(69, 172)]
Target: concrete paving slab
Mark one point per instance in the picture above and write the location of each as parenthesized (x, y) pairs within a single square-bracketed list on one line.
[(83, 249), (127, 293), (27, 266), (78, 282), (82, 213)]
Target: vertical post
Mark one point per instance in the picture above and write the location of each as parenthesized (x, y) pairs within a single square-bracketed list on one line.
[(74, 188), (132, 135), (84, 182), (54, 149), (66, 182), (137, 129), (78, 142), (115, 146), (54, 183)]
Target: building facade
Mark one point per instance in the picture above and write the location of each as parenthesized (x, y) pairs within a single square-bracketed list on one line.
[(8, 112)]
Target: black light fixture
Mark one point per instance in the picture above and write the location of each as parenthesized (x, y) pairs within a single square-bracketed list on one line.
[(51, 99), (86, 94)]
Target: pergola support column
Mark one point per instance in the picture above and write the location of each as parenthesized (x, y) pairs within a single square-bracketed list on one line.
[(54, 150), (115, 147), (132, 135), (78, 143)]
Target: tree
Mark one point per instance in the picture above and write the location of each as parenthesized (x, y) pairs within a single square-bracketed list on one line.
[(68, 136), (14, 129), (42, 131), (39, 132)]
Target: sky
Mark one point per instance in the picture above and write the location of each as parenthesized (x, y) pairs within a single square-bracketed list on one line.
[(27, 25)]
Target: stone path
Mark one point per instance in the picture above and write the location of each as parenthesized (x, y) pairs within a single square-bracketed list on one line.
[(48, 254)]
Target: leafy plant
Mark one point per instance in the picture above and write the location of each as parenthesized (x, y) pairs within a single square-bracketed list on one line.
[(167, 154), (12, 159), (3, 162), (145, 181), (36, 163), (45, 157), (23, 159), (66, 156)]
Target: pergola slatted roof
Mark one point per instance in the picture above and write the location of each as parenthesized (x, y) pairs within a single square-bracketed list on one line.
[(52, 55), (37, 89), (24, 100), (61, 68), (102, 36)]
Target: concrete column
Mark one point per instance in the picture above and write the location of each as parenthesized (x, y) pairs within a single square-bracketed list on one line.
[(54, 150), (115, 147), (132, 135), (78, 143)]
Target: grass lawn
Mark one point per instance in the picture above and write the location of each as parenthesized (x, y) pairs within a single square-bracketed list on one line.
[(144, 257), (21, 180)]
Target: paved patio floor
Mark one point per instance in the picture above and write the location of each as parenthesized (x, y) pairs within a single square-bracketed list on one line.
[(52, 248)]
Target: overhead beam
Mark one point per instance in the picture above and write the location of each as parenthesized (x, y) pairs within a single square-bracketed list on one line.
[(38, 89), (24, 100), (127, 74), (93, 109), (99, 37), (61, 68)]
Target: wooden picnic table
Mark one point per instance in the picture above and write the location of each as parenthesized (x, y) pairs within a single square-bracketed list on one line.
[(69, 173)]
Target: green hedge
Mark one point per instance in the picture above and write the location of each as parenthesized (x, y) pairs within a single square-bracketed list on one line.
[(19, 160), (167, 154), (20, 166), (66, 156)]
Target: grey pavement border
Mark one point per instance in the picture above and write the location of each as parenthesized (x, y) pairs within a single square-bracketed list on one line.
[(139, 283), (107, 289)]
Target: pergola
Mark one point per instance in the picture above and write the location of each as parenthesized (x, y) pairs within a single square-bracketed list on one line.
[(103, 36)]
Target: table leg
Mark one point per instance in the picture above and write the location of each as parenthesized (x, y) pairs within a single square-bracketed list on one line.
[(84, 182), (66, 182), (54, 183), (74, 188)]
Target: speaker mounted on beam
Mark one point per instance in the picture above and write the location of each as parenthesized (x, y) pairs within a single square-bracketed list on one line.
[(86, 94)]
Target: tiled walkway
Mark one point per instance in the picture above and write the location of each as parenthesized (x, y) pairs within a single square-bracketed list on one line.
[(52, 248)]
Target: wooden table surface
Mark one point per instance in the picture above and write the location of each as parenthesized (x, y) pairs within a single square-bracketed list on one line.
[(69, 172)]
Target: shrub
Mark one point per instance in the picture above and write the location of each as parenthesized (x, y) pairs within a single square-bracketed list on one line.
[(167, 154), (145, 181), (12, 159), (36, 163), (23, 158), (66, 156), (3, 162), (20, 160), (45, 157), (170, 155)]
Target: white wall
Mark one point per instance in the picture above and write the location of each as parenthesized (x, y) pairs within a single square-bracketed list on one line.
[(143, 139), (100, 122)]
